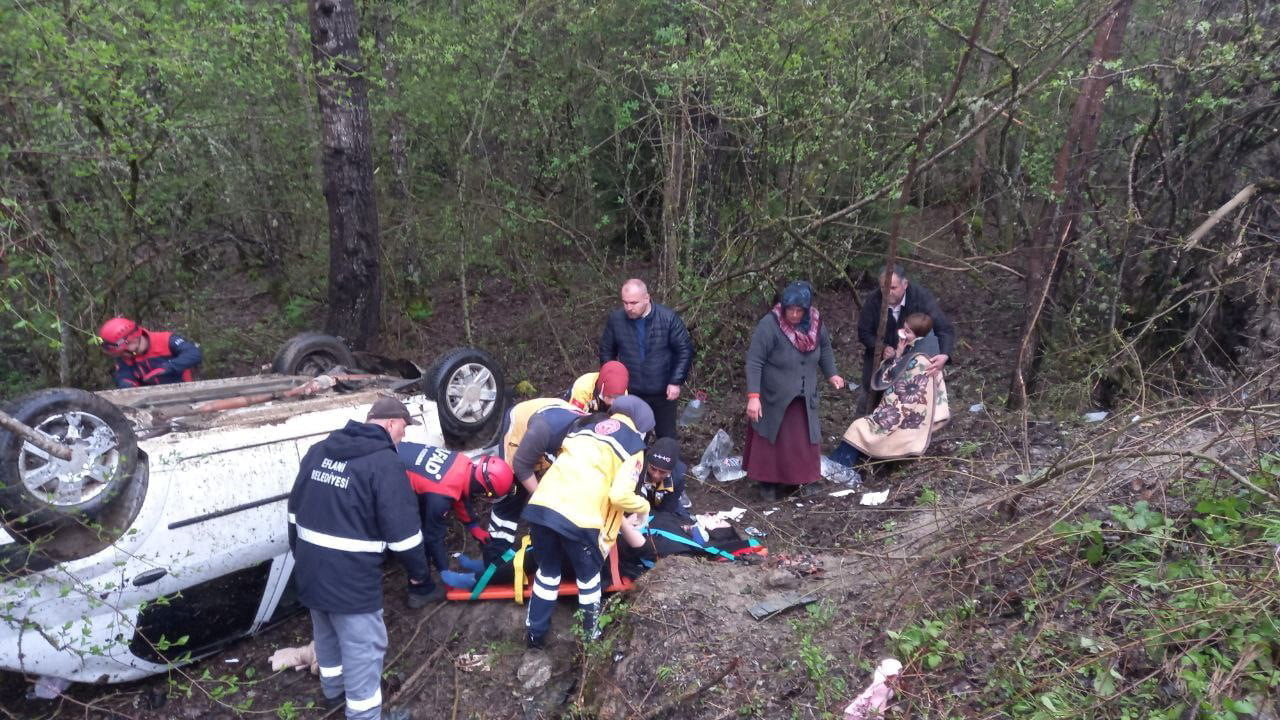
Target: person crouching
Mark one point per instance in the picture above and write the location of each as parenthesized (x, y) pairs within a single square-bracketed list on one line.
[(578, 510)]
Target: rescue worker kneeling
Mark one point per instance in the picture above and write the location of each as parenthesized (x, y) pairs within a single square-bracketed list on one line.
[(446, 480), (577, 510)]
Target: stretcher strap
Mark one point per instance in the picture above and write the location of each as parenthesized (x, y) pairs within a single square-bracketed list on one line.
[(686, 541), (488, 574), (518, 565)]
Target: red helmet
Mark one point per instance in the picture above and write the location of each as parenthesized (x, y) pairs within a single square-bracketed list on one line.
[(493, 476), (116, 332)]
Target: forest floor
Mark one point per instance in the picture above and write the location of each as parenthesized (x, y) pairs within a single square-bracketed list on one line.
[(946, 575)]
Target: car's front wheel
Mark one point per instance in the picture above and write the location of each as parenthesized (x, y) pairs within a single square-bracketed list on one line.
[(467, 385), (39, 488)]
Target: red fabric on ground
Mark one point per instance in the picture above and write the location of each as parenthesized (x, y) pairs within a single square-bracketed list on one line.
[(793, 460)]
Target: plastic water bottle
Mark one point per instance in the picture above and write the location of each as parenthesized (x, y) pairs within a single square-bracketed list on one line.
[(695, 410)]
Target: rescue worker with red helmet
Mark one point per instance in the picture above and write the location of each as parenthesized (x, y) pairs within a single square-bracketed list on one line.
[(446, 481), (147, 357)]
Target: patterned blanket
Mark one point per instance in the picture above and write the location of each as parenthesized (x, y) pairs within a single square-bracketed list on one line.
[(913, 407)]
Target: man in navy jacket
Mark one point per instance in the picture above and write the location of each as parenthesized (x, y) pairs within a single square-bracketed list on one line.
[(652, 341), (350, 502), (904, 300)]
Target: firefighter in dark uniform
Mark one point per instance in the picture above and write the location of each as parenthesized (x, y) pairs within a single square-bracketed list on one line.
[(146, 357), (349, 504), (447, 481), (578, 509)]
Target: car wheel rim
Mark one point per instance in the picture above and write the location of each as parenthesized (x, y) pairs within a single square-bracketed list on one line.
[(316, 364), (471, 393), (95, 460)]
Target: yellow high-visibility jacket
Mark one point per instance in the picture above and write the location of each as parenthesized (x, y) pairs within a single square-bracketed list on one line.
[(592, 483)]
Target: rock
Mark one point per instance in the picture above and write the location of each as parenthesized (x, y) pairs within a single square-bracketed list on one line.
[(535, 669), (782, 579)]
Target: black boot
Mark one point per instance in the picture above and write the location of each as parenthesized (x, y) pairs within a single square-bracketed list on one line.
[(590, 620), (770, 492)]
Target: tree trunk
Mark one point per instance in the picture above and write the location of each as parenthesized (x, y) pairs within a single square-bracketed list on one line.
[(1059, 221), (397, 143), (355, 282), (674, 197)]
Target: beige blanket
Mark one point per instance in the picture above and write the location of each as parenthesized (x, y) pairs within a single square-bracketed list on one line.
[(912, 408)]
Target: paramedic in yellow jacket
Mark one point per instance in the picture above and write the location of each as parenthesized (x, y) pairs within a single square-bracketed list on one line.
[(577, 510), (544, 423)]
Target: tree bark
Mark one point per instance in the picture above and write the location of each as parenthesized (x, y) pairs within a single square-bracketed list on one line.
[(355, 280), (1059, 221)]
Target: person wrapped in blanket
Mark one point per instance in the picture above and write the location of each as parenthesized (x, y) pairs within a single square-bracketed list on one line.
[(914, 404)]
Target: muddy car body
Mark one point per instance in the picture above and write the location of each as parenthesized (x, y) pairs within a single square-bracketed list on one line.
[(190, 551)]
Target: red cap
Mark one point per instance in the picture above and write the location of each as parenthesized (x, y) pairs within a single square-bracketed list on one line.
[(613, 379)]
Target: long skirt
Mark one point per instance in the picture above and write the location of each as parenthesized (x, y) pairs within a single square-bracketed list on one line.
[(792, 459)]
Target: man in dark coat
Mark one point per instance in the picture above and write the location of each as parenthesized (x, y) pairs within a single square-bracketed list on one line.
[(350, 503), (652, 341), (904, 299)]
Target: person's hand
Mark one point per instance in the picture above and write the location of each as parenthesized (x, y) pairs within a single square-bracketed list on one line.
[(479, 533), (754, 410), (935, 365), (673, 392), (836, 381), (889, 352)]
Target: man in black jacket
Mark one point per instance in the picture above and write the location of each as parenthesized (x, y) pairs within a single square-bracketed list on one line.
[(350, 502), (652, 341), (904, 299)]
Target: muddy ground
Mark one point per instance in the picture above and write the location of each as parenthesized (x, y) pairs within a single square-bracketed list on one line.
[(683, 644)]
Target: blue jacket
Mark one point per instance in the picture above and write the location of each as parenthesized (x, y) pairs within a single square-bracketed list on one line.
[(350, 502), (663, 360), (170, 358)]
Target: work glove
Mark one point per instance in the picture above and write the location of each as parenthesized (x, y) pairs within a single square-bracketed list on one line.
[(478, 533), (464, 581), (470, 564)]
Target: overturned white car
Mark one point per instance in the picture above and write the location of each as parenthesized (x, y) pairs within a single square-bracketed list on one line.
[(161, 535)]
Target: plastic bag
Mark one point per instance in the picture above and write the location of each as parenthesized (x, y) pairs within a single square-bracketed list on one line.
[(730, 469), (840, 474), (717, 450), (694, 411)]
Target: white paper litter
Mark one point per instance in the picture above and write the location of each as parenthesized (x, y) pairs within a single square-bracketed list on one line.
[(726, 515), (977, 408), (874, 498), (771, 511), (1093, 417), (842, 493)]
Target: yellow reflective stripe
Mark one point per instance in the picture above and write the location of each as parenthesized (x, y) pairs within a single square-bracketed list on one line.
[(518, 564), (369, 704)]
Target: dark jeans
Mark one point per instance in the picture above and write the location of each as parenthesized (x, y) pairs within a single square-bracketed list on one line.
[(847, 455), (664, 414)]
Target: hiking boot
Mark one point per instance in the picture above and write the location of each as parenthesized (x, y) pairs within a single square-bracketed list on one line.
[(535, 642), (809, 490), (328, 703), (417, 601), (770, 492)]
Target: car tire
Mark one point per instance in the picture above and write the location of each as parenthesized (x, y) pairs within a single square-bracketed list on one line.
[(39, 491), (311, 354), (469, 389)]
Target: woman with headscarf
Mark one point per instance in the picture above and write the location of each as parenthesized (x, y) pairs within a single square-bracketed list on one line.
[(789, 345)]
